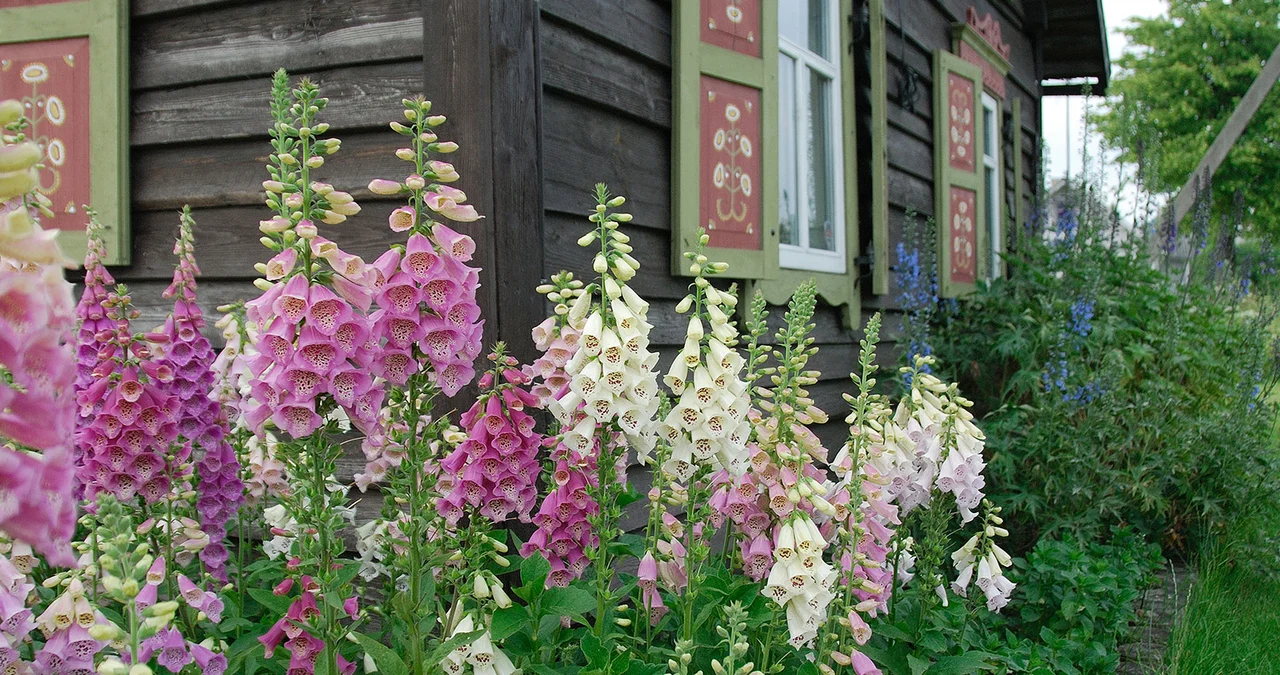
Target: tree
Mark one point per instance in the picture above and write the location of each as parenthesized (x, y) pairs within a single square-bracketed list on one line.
[(1176, 86)]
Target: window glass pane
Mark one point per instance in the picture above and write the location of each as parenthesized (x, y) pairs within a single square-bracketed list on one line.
[(988, 132), (804, 22), (788, 177), (821, 179)]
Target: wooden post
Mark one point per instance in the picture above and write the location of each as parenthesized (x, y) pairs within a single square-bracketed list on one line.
[(481, 70), (1230, 133)]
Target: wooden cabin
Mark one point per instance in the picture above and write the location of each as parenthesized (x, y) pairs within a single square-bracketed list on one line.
[(799, 133)]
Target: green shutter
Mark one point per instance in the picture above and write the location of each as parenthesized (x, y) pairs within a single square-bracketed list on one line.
[(1018, 217), (879, 151), (105, 25), (957, 112), (728, 69)]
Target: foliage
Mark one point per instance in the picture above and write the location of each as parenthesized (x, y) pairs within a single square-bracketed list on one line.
[(1079, 599), (1175, 88), (1113, 396)]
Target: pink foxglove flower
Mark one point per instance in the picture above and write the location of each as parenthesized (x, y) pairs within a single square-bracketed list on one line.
[(556, 339), (201, 420), (564, 531), (495, 471), (37, 402), (65, 624)]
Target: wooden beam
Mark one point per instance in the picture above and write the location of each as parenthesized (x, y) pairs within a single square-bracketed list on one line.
[(1230, 133), (481, 70)]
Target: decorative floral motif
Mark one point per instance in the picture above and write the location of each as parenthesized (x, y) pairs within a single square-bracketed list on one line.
[(730, 165)]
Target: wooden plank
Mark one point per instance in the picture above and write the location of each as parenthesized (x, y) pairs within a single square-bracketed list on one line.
[(640, 26), (231, 174), (457, 80), (517, 175), (1226, 139), (652, 251), (907, 191), (255, 39), (151, 8), (361, 97), (227, 239), (574, 64), (910, 154), (586, 145)]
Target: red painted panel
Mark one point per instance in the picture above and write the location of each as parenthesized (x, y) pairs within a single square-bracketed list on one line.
[(729, 172), (732, 24), (991, 78), (964, 236), (960, 126), (51, 79)]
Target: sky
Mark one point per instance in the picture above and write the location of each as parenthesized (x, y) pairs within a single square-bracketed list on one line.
[(1063, 115)]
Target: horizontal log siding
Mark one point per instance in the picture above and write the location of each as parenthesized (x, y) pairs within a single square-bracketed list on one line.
[(199, 92)]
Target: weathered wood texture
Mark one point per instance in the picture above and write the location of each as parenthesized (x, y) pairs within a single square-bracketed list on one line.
[(200, 82), (607, 114)]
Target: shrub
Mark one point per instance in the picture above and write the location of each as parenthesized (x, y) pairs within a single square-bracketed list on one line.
[(1113, 396)]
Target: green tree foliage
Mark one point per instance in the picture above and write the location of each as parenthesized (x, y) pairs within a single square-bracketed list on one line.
[(1177, 85)]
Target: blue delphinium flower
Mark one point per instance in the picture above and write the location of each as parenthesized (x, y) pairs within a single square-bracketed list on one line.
[(918, 297), (1080, 323)]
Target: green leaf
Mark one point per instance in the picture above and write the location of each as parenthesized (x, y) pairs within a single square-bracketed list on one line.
[(507, 622), (964, 664), (387, 660), (918, 665), (597, 655), (278, 605), (571, 601), (533, 573)]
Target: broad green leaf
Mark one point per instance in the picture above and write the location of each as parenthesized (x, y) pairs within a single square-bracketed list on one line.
[(387, 660), (964, 664), (276, 604), (507, 622), (571, 601)]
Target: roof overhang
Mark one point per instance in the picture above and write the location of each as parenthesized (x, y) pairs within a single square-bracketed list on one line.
[(1073, 47)]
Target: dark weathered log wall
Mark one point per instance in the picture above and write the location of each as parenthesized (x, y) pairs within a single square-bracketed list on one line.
[(606, 81), (200, 80)]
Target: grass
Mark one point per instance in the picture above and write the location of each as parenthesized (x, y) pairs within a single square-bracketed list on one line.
[(1231, 624)]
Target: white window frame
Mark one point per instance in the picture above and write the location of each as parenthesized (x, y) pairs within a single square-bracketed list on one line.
[(991, 188), (802, 257)]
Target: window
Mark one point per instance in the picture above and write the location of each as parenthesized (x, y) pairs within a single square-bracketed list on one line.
[(810, 172), (991, 184)]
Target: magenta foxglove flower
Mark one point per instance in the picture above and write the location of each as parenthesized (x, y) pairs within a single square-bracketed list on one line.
[(201, 419), (495, 471), (564, 531), (129, 420)]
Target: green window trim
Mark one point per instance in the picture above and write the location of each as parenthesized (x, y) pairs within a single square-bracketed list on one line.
[(759, 269), (946, 176), (879, 151), (105, 23)]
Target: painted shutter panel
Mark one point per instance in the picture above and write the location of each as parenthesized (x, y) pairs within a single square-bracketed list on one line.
[(957, 113), (724, 136), (69, 60)]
